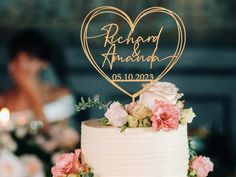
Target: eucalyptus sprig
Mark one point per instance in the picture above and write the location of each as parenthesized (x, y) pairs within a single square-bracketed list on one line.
[(89, 174), (192, 152), (124, 127), (192, 155), (104, 121), (92, 102)]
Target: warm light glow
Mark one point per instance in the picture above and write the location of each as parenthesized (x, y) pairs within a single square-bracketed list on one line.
[(4, 116)]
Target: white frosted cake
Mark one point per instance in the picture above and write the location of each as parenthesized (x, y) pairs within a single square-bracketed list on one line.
[(136, 152)]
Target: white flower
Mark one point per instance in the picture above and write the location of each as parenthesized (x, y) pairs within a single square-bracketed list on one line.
[(116, 115), (33, 167), (10, 165), (7, 141), (161, 91), (187, 115)]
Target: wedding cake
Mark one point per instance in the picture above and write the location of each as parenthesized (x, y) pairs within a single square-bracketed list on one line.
[(140, 151), (137, 152), (146, 138)]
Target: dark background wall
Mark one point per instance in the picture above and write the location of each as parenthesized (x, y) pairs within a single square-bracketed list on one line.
[(206, 73)]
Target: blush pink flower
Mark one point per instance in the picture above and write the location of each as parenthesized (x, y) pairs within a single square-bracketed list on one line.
[(66, 164), (165, 116), (116, 114), (202, 165), (161, 91), (130, 107)]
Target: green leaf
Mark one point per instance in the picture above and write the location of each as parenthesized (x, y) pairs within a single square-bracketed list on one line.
[(104, 121), (132, 121), (123, 128), (89, 99), (192, 173), (96, 97), (82, 100), (140, 123), (89, 174), (147, 122)]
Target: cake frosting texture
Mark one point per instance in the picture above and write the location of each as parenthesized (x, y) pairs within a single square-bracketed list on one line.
[(136, 152)]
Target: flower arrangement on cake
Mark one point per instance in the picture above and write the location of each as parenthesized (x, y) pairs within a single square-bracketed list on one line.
[(160, 107)]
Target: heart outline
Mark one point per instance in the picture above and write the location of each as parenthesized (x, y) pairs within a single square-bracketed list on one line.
[(113, 10)]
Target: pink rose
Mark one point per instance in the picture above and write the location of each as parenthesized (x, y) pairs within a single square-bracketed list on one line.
[(202, 165), (66, 164), (165, 116), (116, 115)]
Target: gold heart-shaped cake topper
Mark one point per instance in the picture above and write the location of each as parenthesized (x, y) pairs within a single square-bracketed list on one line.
[(155, 39)]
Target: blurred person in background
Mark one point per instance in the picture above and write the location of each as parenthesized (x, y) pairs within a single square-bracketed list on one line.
[(29, 54)]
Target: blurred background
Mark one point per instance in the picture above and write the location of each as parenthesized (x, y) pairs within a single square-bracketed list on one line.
[(206, 73)]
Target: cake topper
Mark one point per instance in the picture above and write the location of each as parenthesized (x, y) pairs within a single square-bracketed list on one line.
[(111, 60)]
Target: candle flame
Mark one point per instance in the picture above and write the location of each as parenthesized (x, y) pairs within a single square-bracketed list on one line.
[(4, 115)]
